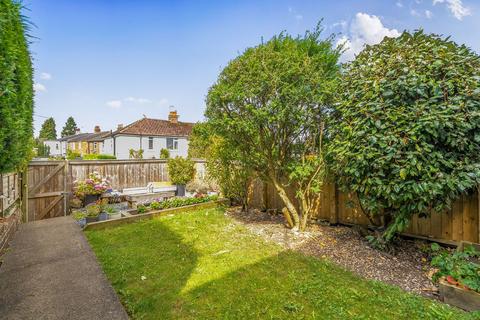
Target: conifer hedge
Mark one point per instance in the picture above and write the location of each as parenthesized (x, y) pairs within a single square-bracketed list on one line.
[(16, 88)]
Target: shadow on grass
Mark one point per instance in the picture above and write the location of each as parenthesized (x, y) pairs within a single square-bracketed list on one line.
[(147, 264), (292, 286)]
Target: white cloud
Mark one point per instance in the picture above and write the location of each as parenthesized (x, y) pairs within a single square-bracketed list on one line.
[(364, 29), (45, 76), (428, 14), (298, 17), (38, 87), (294, 13), (137, 100), (456, 7), (399, 4), (342, 24), (114, 104), (414, 13), (163, 101)]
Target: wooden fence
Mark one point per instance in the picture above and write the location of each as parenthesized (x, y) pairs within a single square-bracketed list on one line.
[(460, 223), (51, 182), (10, 206)]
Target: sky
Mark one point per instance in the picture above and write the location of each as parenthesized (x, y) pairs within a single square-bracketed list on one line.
[(112, 62)]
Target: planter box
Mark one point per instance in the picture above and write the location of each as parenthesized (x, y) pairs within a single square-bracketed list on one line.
[(464, 299), (90, 198)]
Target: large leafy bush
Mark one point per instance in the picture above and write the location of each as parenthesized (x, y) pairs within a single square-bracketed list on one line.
[(181, 170), (407, 130), (16, 89), (268, 105)]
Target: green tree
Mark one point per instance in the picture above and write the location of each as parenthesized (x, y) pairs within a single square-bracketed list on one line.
[(269, 104), (224, 163), (407, 130), (48, 130), (69, 128), (16, 89), (42, 149)]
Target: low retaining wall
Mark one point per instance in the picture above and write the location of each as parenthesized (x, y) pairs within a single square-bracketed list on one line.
[(152, 214)]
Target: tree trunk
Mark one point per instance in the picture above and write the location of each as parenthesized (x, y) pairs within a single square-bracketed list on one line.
[(305, 214), (288, 203)]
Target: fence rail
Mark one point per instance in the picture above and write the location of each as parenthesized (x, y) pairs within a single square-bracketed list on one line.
[(460, 223), (51, 182)]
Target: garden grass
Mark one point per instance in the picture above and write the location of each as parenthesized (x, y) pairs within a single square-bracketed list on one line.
[(204, 265)]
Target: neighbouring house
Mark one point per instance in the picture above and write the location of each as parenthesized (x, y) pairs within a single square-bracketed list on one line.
[(82, 143), (150, 135), (88, 143)]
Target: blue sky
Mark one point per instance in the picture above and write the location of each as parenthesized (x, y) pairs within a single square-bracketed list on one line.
[(111, 62)]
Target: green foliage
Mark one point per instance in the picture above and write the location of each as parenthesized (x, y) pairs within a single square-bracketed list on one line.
[(407, 132), (110, 210), (176, 203), (269, 104), (459, 265), (16, 89), (72, 155), (42, 149), (197, 148), (206, 262), (223, 163), (164, 153), (48, 130), (136, 154), (95, 156), (69, 127), (93, 210), (78, 215), (181, 170)]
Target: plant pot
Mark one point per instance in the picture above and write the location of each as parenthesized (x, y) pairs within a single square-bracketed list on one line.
[(91, 219), (468, 300), (180, 190), (90, 198), (82, 222), (103, 216), (115, 216)]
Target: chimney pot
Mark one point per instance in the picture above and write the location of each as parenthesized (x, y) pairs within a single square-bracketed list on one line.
[(97, 129), (120, 126), (173, 117)]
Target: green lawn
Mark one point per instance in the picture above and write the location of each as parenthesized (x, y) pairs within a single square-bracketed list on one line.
[(202, 265)]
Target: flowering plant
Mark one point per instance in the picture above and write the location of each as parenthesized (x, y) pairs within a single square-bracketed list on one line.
[(95, 184)]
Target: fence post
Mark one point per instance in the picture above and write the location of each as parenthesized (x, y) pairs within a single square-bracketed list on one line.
[(24, 194), (334, 205)]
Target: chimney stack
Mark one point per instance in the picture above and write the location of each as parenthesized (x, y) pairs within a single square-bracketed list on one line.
[(97, 129), (173, 116), (77, 130), (120, 126)]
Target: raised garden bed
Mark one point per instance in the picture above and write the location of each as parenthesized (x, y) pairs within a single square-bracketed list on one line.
[(155, 213), (454, 295)]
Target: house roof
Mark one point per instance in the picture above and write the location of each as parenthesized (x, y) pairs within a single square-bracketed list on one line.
[(89, 137), (157, 127)]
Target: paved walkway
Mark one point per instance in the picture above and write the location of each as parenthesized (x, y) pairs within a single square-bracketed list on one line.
[(50, 272)]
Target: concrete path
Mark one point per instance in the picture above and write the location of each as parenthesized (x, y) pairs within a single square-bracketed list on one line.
[(50, 272)]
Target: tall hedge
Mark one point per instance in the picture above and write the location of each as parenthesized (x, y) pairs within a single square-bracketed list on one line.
[(16, 88), (407, 132)]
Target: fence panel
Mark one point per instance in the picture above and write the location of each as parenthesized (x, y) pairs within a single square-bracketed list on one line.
[(460, 223)]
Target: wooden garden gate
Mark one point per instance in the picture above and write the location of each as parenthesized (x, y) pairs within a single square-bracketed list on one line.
[(47, 190)]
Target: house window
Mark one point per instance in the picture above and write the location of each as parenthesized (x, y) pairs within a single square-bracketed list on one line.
[(172, 143), (95, 146), (56, 146), (150, 143)]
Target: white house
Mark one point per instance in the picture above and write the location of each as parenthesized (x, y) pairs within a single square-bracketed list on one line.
[(150, 135)]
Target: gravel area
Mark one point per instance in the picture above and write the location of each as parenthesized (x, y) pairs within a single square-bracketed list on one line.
[(408, 268)]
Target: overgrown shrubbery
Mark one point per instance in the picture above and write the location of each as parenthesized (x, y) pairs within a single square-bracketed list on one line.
[(406, 137), (181, 170), (99, 157), (174, 203), (268, 106), (16, 88)]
